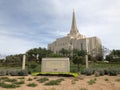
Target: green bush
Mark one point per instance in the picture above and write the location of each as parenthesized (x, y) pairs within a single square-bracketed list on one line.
[(42, 80), (4, 85), (106, 79), (113, 72), (4, 78), (30, 79), (83, 89), (11, 80), (19, 82), (2, 73), (118, 80), (89, 71), (101, 72), (21, 78), (23, 73), (92, 81), (32, 85), (65, 74), (13, 73), (54, 82)]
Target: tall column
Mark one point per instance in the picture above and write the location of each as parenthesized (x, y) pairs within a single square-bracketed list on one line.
[(86, 57), (23, 62)]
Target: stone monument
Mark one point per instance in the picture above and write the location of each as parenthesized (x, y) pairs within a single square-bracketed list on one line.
[(55, 65)]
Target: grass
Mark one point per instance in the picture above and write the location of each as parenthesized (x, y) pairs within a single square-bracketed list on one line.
[(42, 80), (92, 81), (5, 85), (54, 82), (29, 79), (106, 79), (19, 82), (83, 89), (117, 80), (32, 84), (21, 78), (13, 83), (73, 81)]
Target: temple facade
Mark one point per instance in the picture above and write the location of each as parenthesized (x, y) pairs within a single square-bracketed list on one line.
[(75, 40)]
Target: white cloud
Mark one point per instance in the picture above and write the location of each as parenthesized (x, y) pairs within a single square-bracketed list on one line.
[(26, 24)]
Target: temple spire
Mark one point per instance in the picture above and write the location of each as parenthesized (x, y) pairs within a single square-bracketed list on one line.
[(74, 29)]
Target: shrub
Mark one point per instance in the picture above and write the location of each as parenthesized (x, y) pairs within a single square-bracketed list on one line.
[(65, 74), (4, 78), (42, 80), (101, 72), (11, 80), (13, 73), (83, 89), (54, 82), (23, 73), (2, 73), (106, 71), (89, 71), (30, 79), (4, 85), (118, 80), (32, 85), (19, 82), (106, 79), (96, 73), (73, 82), (113, 72), (92, 81), (21, 78)]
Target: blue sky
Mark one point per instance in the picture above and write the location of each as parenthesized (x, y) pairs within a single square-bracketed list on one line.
[(26, 24)]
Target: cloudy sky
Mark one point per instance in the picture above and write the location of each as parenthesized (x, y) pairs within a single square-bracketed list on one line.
[(26, 24)]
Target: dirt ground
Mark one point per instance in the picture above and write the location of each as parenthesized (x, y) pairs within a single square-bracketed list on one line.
[(70, 83)]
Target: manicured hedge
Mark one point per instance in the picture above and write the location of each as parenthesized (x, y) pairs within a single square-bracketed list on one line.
[(55, 74)]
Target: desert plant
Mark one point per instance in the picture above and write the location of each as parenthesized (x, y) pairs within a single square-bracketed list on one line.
[(54, 82), (91, 82), (2, 73), (73, 82), (89, 71), (118, 80), (13, 73), (5, 85), (11, 80), (101, 72), (35, 77), (113, 72), (29, 79), (96, 73), (42, 80), (23, 73), (21, 78), (32, 85), (106, 79), (19, 82), (83, 89), (4, 78)]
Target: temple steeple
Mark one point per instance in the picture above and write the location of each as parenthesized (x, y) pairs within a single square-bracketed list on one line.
[(74, 29)]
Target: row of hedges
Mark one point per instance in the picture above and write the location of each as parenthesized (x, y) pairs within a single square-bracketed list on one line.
[(14, 73), (101, 72)]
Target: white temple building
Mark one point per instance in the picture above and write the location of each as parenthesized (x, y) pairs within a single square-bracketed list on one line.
[(75, 40)]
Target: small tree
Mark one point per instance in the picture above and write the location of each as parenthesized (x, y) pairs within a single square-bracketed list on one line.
[(78, 60), (79, 57)]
